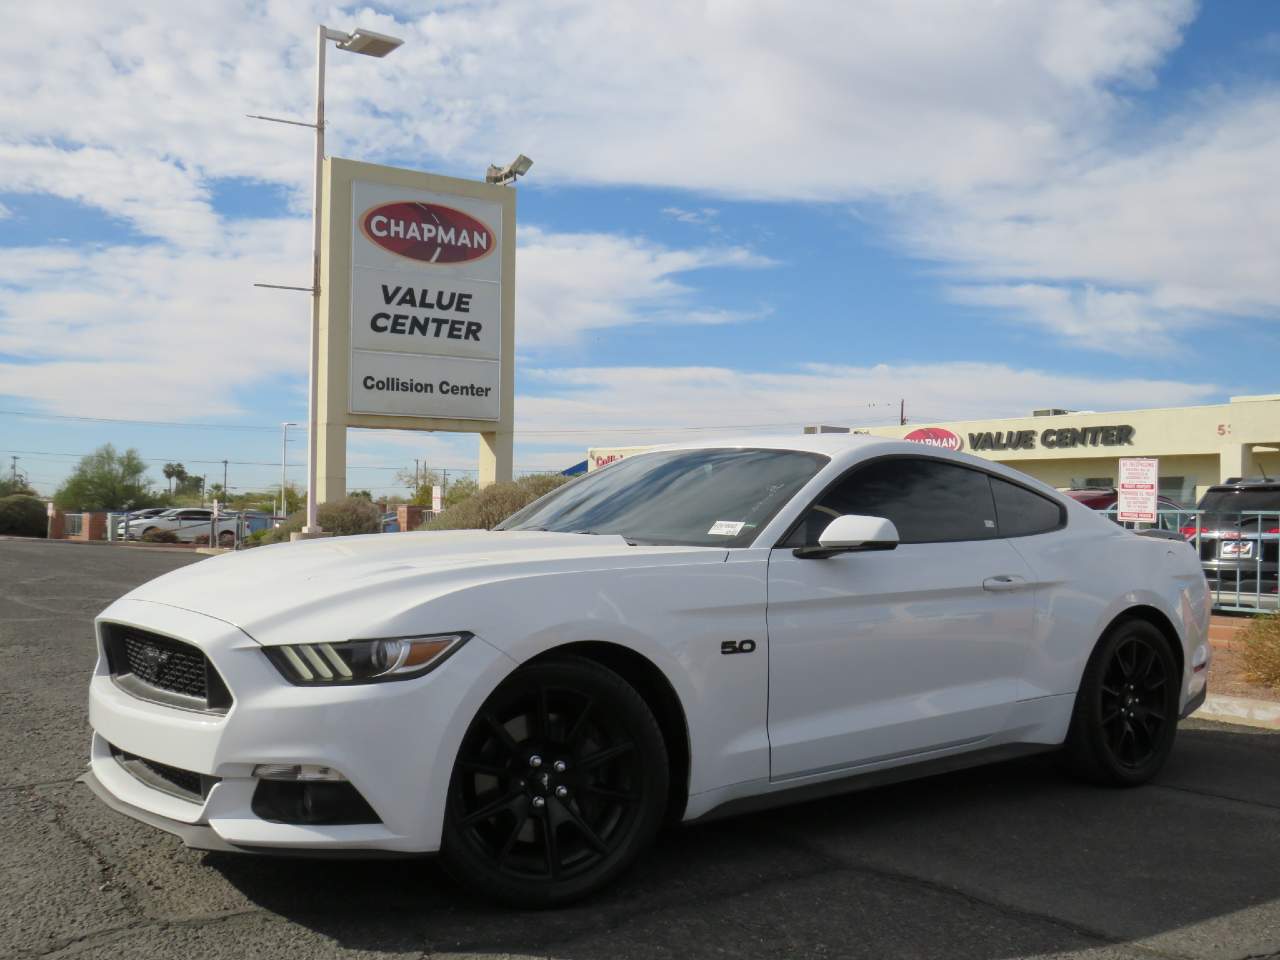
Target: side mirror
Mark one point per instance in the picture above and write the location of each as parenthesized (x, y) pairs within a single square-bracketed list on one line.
[(852, 533)]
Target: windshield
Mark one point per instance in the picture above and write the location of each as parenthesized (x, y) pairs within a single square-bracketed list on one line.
[(711, 498), (1237, 501)]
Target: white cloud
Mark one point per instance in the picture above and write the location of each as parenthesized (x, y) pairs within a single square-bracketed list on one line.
[(570, 283), (123, 330), (991, 131), (703, 216), (1113, 321), (743, 98), (651, 404), (1180, 229)]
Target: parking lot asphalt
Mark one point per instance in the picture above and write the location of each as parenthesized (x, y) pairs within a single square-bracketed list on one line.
[(1008, 861)]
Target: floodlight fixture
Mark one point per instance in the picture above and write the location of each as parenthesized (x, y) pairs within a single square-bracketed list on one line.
[(369, 43), (508, 174)]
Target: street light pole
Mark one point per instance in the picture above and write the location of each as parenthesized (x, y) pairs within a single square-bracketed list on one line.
[(374, 45), (370, 44), (312, 525)]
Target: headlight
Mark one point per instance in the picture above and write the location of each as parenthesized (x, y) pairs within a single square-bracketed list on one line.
[(363, 661)]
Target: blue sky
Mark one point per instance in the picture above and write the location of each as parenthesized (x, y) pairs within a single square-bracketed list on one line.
[(752, 221)]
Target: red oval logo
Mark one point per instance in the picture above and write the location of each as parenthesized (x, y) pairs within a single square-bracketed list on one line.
[(935, 437), (427, 232)]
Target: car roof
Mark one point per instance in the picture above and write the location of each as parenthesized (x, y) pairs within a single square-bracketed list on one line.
[(846, 449)]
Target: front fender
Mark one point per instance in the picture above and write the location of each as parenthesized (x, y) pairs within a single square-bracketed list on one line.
[(677, 616)]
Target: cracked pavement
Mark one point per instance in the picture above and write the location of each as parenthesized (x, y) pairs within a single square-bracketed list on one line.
[(1002, 862)]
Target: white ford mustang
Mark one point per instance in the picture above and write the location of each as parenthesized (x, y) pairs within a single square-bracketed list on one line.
[(687, 632)]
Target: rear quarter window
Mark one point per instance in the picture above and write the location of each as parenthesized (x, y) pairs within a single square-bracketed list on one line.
[(1022, 513)]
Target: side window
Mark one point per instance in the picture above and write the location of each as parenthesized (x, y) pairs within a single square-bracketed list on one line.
[(1022, 513), (929, 501)]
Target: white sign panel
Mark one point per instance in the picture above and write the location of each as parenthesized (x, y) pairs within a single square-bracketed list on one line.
[(426, 303), (1138, 489), (412, 385)]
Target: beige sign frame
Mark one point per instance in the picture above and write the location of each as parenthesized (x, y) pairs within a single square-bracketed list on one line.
[(334, 416)]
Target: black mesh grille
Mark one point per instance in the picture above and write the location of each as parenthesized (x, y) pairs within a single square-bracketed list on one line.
[(156, 667), (172, 780), (165, 664)]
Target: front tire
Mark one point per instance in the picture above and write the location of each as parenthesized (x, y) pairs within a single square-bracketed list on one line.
[(560, 782), (1126, 711)]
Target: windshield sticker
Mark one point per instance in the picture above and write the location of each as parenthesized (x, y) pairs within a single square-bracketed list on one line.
[(726, 528)]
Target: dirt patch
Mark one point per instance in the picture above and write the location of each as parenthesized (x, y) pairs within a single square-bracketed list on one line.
[(1227, 677)]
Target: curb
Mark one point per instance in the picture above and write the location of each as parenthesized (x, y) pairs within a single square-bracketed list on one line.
[(1242, 710)]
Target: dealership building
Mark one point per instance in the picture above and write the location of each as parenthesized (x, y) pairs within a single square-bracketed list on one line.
[(1196, 446)]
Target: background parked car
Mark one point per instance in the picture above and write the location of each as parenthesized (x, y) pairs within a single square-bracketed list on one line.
[(1238, 531), (187, 523)]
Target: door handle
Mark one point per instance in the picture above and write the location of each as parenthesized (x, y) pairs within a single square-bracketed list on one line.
[(1004, 582)]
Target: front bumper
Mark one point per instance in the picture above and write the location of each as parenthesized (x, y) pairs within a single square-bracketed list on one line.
[(394, 742)]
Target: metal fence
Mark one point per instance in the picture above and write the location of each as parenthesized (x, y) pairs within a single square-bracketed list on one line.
[(72, 524), (1239, 552)]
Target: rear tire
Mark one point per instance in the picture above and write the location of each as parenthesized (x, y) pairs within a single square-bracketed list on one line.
[(226, 539), (559, 784), (1126, 711)]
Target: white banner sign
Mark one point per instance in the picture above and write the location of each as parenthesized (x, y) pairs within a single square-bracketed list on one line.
[(1138, 489), (426, 303), (411, 385)]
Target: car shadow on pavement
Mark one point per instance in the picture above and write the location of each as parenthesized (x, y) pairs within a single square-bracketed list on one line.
[(1005, 861)]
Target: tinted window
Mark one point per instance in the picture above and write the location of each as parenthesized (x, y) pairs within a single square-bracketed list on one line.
[(713, 498), (1021, 512), (1232, 501), (929, 501)]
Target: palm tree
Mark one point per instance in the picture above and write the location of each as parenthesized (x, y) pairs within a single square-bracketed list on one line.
[(172, 470)]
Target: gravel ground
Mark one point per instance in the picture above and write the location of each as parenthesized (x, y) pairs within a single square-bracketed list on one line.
[(1003, 862)]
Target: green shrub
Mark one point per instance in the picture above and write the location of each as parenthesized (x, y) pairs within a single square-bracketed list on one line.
[(1261, 656), (486, 509), (159, 535), (338, 518), (23, 516)]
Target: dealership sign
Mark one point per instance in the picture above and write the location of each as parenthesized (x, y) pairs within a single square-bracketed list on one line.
[(1138, 488), (935, 437), (426, 303), (1054, 438), (428, 231)]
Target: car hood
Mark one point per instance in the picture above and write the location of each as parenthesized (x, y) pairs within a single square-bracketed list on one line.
[(273, 593)]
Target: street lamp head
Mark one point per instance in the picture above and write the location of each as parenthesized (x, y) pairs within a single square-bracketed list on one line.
[(516, 168), (369, 43)]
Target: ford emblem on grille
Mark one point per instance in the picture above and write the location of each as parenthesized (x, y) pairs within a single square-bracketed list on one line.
[(153, 657)]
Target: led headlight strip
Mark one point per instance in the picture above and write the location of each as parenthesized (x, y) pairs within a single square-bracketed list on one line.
[(363, 661)]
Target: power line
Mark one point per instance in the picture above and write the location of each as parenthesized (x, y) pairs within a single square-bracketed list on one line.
[(144, 423), (581, 431)]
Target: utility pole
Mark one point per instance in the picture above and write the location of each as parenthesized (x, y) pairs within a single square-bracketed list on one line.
[(224, 479), (14, 468), (284, 457), (416, 482), (902, 412)]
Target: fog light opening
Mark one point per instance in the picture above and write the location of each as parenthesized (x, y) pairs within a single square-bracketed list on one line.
[(297, 772)]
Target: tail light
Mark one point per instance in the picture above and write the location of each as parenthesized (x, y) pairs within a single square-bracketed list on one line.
[(1190, 532)]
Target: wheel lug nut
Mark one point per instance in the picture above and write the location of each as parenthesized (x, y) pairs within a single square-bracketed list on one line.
[(535, 761), (559, 766), (539, 803), (562, 791)]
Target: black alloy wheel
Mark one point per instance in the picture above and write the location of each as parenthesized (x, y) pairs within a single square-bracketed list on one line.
[(1133, 701), (560, 782), (1126, 712)]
